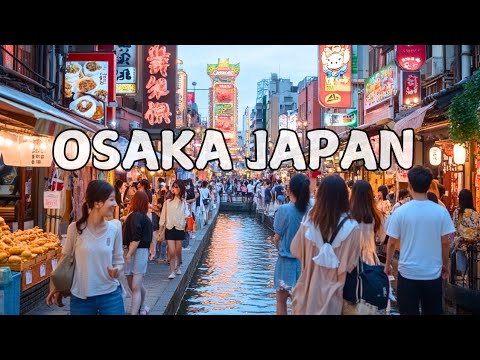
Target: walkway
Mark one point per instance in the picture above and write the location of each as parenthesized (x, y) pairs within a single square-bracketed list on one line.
[(163, 295)]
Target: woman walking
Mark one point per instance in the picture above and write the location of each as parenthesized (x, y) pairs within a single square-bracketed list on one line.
[(97, 246), (370, 221), (174, 218), (328, 246), (286, 223), (137, 239)]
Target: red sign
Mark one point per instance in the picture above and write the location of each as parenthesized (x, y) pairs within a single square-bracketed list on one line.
[(224, 92), (411, 89), (335, 85), (410, 57), (159, 76), (190, 98), (91, 74)]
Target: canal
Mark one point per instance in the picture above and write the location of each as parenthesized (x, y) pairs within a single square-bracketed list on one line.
[(235, 275)]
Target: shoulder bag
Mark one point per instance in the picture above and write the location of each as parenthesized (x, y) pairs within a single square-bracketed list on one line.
[(161, 231), (62, 275), (367, 283)]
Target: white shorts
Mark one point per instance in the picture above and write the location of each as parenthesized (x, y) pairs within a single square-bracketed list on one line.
[(138, 263)]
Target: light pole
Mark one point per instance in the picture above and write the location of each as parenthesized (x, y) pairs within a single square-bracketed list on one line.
[(198, 132), (302, 125)]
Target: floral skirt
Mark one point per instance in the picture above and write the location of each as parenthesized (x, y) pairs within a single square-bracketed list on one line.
[(287, 272)]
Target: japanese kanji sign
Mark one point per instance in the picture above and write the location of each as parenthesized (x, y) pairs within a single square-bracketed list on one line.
[(126, 69), (159, 87)]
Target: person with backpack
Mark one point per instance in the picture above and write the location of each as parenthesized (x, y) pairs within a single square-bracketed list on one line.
[(328, 247)]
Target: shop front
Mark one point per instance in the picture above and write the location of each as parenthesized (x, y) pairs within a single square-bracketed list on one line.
[(33, 194)]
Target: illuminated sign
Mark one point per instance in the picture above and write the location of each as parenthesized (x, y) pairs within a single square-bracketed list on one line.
[(339, 119), (411, 88), (380, 86), (89, 84), (126, 69), (410, 57), (335, 84), (159, 87)]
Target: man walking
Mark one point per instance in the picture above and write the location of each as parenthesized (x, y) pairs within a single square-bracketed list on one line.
[(422, 227)]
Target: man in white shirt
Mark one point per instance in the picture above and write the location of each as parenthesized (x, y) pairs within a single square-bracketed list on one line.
[(422, 227)]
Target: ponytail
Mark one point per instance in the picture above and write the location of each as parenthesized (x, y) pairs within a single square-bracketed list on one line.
[(303, 197), (300, 187), (83, 219)]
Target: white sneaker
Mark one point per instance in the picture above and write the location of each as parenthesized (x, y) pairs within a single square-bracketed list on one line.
[(187, 248), (172, 275), (179, 271)]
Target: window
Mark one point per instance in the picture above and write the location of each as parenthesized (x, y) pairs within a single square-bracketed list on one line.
[(476, 57), (389, 57), (24, 53)]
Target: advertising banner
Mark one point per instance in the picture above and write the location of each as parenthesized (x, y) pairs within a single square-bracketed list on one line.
[(283, 121), (190, 98), (335, 72), (380, 86), (159, 87), (89, 84)]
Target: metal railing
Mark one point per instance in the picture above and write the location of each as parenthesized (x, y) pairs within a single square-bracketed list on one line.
[(470, 278)]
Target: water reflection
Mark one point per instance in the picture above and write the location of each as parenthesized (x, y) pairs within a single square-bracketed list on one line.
[(235, 276)]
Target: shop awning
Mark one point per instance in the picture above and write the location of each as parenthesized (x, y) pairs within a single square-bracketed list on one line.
[(413, 120), (46, 119)]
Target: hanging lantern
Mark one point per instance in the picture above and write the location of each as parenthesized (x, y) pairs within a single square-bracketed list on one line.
[(435, 156), (459, 154)]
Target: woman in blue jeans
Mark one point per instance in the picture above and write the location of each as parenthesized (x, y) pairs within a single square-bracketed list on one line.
[(97, 246), (286, 223)]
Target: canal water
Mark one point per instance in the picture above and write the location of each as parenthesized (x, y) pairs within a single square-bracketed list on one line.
[(235, 275)]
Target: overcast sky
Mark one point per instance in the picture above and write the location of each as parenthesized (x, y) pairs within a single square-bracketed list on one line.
[(257, 62)]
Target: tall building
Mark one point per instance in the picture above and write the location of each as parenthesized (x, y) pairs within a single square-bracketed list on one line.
[(223, 101), (275, 97)]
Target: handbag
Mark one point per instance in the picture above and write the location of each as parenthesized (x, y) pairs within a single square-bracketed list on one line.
[(62, 275), (190, 223), (368, 283)]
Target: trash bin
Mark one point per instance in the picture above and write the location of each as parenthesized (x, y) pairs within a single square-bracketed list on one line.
[(9, 291)]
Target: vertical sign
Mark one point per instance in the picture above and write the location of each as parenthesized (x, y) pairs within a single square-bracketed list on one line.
[(411, 89), (335, 72), (182, 98), (159, 87), (126, 69)]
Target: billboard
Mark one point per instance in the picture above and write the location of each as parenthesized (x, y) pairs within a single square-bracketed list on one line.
[(283, 122), (126, 69), (335, 73), (190, 99), (341, 119), (159, 87), (89, 85), (380, 86)]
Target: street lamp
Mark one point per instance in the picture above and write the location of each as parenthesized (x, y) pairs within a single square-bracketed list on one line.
[(198, 134), (302, 125)]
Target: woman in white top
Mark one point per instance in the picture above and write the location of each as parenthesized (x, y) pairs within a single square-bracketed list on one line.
[(369, 218), (174, 218), (97, 246), (205, 200)]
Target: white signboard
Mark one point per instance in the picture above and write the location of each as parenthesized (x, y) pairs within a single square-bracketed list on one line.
[(51, 199)]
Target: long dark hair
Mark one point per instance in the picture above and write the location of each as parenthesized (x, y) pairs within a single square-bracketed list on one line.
[(300, 187), (181, 185), (465, 200), (362, 204), (97, 191), (331, 202)]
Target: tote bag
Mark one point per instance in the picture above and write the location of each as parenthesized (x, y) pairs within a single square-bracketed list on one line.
[(62, 276)]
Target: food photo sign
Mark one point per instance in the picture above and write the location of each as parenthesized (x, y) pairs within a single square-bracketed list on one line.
[(89, 85)]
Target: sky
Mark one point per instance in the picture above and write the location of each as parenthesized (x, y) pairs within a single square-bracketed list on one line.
[(257, 62)]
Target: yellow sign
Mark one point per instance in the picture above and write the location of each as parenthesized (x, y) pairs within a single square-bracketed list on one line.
[(126, 88), (332, 98)]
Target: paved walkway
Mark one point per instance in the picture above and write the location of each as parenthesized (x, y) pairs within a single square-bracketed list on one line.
[(163, 295)]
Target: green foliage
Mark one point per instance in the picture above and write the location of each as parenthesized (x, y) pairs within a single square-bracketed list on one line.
[(464, 119)]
